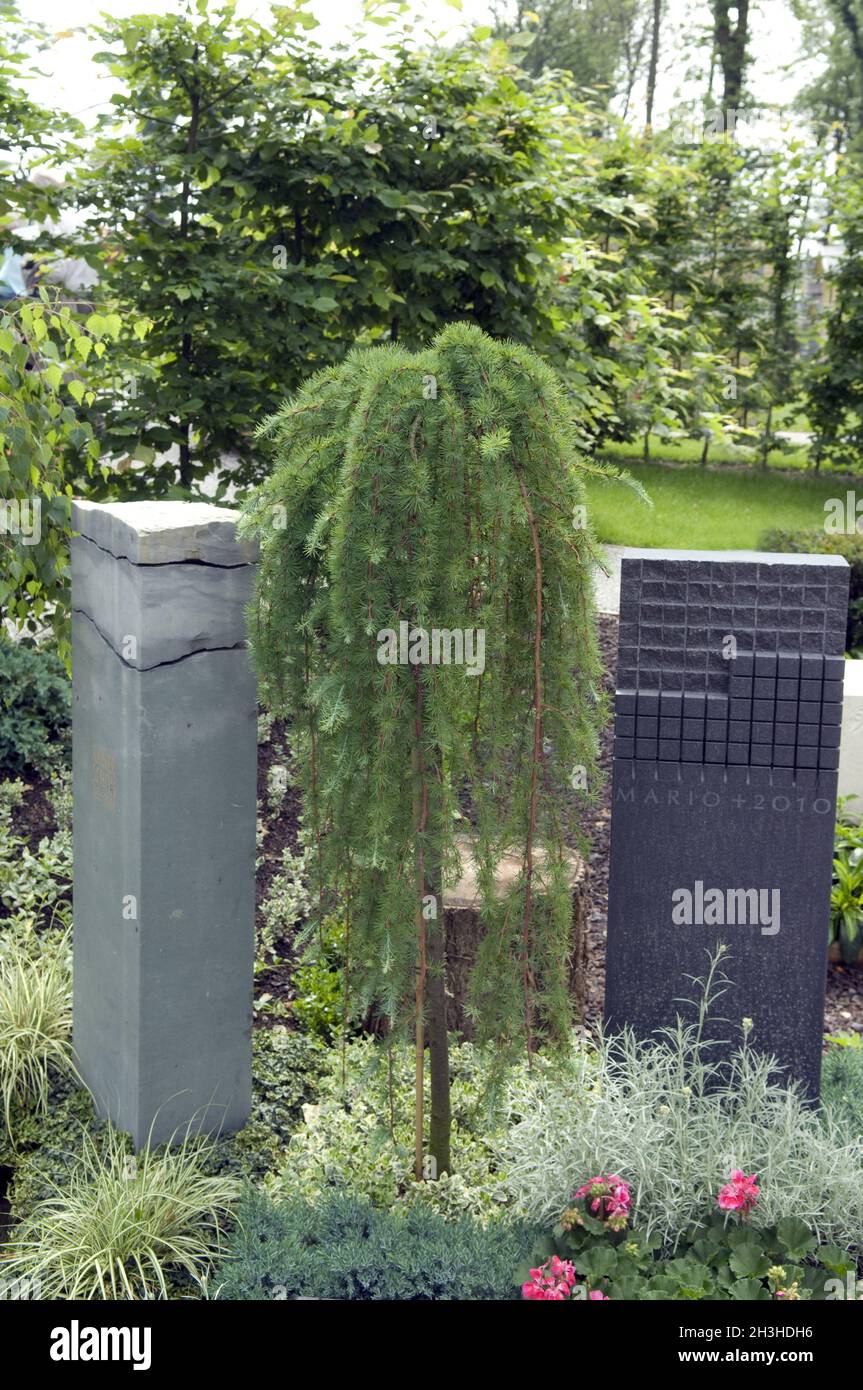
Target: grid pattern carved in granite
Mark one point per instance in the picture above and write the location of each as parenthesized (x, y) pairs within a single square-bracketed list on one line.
[(779, 710), (676, 616)]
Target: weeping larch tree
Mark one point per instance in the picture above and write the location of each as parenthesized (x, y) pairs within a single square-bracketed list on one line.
[(415, 494)]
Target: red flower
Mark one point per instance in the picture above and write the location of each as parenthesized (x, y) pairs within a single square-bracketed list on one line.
[(740, 1193)]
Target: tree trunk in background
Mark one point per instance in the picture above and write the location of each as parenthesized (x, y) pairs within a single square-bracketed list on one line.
[(654, 61), (849, 18), (765, 446), (730, 44), (430, 1002), (440, 1117), (186, 346), (465, 928)]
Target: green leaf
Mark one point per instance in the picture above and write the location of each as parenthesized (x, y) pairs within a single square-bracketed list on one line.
[(597, 1263), (795, 1237), (749, 1290), (748, 1262)]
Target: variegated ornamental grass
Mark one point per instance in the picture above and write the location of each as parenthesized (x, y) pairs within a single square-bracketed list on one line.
[(122, 1226), (35, 1019)]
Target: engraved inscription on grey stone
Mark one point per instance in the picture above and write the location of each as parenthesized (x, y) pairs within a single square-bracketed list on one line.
[(727, 719)]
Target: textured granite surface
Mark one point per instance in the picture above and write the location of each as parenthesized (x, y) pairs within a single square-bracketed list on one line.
[(727, 725)]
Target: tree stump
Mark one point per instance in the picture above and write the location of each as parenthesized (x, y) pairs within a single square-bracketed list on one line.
[(465, 928)]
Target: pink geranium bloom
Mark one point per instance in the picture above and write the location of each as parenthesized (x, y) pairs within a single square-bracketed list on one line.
[(551, 1282), (555, 1282), (609, 1199), (740, 1193)]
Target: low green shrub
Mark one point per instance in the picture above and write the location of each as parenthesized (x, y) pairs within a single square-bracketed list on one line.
[(34, 885), (12, 794), (358, 1136), (286, 1071), (672, 1122), (123, 1226), (842, 1087), (846, 894), (318, 983), (287, 901), (60, 797), (342, 1247), (35, 704), (820, 542)]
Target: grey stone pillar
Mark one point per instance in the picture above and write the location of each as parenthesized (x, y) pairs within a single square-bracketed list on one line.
[(164, 776), (727, 727)]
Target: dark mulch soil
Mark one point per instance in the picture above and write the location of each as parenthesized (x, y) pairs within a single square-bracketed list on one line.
[(843, 1011), (34, 818)]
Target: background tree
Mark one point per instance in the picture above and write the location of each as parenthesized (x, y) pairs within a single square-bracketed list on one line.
[(30, 135), (50, 360), (731, 40), (602, 43), (440, 490), (169, 228), (783, 202), (833, 100), (263, 218), (653, 65), (835, 389)]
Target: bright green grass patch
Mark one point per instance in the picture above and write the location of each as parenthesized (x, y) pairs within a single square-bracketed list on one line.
[(721, 454), (699, 509)]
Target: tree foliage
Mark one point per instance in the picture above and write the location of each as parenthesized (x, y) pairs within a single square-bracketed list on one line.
[(276, 203), (835, 395), (441, 490)]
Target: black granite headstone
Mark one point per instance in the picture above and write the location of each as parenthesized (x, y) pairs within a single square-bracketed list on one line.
[(727, 720)]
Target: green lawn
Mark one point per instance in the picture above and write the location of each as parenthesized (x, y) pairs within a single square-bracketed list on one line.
[(689, 451), (697, 508)]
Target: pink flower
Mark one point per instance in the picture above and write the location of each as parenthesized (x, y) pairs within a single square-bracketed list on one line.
[(740, 1193), (608, 1198), (553, 1281)]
